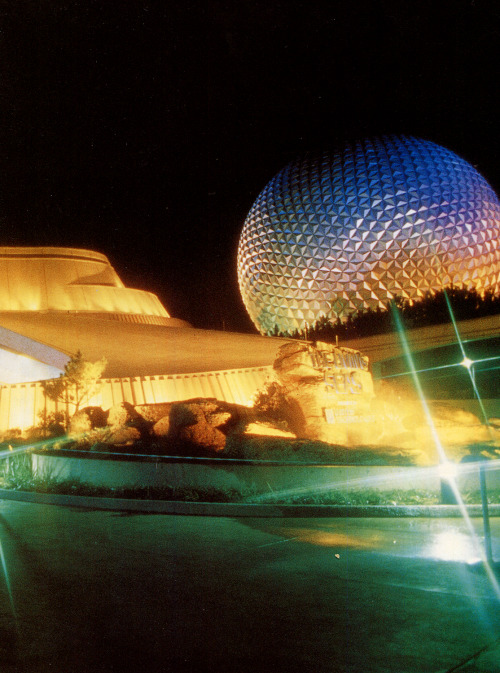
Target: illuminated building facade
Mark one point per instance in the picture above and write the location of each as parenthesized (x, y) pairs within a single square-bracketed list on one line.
[(57, 301), (332, 234)]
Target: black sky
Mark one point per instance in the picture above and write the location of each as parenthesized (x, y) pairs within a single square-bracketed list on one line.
[(146, 129)]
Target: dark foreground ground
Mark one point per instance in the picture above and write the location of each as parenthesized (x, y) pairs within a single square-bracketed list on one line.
[(102, 592)]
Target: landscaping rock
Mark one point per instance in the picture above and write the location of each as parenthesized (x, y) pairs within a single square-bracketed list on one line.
[(125, 436), (124, 415), (153, 412), (87, 419), (161, 427), (202, 423), (183, 414), (218, 418), (217, 413), (204, 436), (329, 391), (402, 422), (267, 430), (294, 363)]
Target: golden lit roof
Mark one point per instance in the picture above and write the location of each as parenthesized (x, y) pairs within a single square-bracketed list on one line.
[(69, 279)]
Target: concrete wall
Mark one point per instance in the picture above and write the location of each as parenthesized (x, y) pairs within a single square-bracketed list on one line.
[(248, 477)]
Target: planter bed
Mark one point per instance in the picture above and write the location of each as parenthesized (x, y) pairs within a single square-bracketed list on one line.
[(134, 471)]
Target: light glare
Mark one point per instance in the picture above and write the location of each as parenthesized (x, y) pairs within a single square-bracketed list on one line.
[(467, 363)]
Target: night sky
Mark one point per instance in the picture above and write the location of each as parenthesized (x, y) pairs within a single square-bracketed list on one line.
[(146, 130)]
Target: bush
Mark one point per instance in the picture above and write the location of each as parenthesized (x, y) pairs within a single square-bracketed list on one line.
[(271, 405)]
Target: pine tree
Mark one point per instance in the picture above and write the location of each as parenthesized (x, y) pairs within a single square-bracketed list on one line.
[(78, 383)]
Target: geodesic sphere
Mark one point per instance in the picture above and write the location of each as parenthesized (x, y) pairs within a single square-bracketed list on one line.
[(335, 233)]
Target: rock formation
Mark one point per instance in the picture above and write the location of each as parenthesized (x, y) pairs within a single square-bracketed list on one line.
[(329, 390), (330, 396)]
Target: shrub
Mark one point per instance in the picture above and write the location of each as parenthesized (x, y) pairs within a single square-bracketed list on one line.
[(270, 404)]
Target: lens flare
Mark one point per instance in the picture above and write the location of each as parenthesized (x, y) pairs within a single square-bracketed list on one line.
[(5, 573), (441, 453), (466, 362)]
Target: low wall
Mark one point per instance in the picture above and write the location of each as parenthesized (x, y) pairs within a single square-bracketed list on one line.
[(261, 477)]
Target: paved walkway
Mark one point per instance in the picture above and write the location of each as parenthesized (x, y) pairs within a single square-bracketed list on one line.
[(102, 592)]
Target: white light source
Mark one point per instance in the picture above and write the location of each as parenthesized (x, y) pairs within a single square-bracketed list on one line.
[(467, 363), (447, 470)]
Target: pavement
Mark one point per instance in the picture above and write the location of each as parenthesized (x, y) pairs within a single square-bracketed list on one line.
[(100, 591)]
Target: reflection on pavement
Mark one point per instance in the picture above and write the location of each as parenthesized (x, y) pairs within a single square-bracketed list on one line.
[(452, 545), (439, 539), (326, 538)]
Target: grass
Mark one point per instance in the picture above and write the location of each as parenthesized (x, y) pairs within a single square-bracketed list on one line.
[(18, 475), (314, 451)]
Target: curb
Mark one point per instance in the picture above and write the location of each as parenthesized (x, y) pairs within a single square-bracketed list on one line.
[(243, 509)]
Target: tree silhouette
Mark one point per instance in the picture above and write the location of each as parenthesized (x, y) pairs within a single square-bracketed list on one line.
[(431, 309), (78, 383)]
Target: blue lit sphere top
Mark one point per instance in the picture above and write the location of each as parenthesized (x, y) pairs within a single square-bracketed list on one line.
[(335, 233)]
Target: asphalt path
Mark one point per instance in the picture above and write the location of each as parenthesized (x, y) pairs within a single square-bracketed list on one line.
[(101, 592)]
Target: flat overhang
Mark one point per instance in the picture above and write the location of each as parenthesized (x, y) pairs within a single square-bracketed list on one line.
[(384, 346), (141, 350)]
